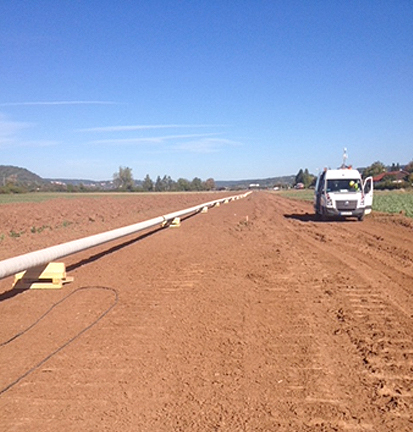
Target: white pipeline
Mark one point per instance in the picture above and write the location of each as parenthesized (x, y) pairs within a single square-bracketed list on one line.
[(20, 263)]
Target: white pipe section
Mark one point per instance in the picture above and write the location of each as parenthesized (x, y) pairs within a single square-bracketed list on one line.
[(20, 263)]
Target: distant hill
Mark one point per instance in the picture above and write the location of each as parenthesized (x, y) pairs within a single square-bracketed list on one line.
[(19, 176)]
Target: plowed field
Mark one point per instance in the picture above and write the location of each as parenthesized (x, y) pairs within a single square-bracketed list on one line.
[(251, 317)]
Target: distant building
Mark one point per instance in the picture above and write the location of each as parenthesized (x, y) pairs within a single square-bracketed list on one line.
[(395, 176)]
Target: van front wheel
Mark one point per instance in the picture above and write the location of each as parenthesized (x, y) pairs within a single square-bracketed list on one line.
[(361, 217)]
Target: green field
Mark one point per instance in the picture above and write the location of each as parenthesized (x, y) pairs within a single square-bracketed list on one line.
[(302, 195), (46, 196), (40, 197), (383, 201), (394, 202)]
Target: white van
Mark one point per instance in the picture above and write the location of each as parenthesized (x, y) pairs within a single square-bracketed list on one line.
[(341, 193)]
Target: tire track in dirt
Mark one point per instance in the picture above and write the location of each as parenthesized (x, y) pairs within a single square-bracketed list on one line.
[(376, 321), (324, 397)]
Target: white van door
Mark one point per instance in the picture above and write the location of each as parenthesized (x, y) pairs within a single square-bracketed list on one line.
[(368, 194)]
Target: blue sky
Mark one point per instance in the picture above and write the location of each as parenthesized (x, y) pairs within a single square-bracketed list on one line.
[(229, 89)]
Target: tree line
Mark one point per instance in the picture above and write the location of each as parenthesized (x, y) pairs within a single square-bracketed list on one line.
[(389, 175), (304, 178), (123, 180)]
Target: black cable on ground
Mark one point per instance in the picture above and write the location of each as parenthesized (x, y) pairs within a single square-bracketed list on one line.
[(114, 303)]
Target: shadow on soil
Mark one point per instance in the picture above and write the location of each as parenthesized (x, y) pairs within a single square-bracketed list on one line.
[(111, 250), (12, 293), (307, 217), (302, 217), (119, 247)]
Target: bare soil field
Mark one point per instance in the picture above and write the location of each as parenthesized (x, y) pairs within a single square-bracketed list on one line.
[(250, 317)]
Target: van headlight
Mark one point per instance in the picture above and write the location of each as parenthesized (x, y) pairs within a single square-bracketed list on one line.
[(329, 201)]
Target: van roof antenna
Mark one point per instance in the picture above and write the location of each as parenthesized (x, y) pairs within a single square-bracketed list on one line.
[(345, 157)]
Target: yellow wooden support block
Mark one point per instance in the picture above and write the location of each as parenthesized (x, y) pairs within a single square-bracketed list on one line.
[(217, 204), (204, 210), (50, 276), (176, 223)]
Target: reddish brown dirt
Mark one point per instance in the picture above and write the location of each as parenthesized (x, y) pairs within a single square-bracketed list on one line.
[(251, 317)]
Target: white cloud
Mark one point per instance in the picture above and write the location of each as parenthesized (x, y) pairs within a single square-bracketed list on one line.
[(128, 128), (206, 145), (37, 143), (9, 134), (7, 104), (9, 130), (128, 141), (149, 140)]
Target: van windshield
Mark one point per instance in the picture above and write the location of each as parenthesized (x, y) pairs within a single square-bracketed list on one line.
[(344, 185)]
